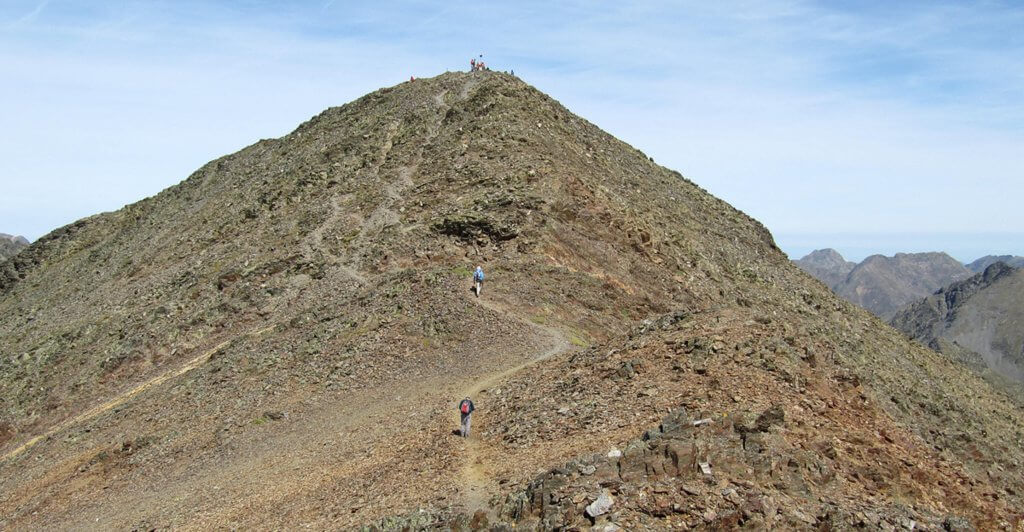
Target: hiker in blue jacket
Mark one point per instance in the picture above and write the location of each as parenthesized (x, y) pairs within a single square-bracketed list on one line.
[(466, 411), (478, 280)]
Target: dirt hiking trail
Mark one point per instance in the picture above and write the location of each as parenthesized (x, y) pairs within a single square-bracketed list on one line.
[(127, 395), (476, 473), (329, 446)]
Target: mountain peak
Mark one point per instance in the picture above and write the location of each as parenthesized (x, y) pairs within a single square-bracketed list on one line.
[(284, 335), (826, 265)]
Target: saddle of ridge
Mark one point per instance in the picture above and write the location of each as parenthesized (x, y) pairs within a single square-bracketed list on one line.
[(282, 339)]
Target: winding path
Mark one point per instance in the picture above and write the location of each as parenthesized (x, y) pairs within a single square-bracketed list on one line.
[(475, 475)]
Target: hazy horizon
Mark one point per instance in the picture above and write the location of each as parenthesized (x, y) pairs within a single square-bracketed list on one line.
[(855, 247)]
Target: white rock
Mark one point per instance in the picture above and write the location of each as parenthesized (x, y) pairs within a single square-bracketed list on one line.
[(601, 505), (614, 453)]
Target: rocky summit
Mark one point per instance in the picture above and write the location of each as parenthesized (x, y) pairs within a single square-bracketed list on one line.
[(826, 265), (280, 341), (9, 245)]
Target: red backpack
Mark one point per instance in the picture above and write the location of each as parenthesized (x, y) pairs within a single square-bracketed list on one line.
[(465, 407)]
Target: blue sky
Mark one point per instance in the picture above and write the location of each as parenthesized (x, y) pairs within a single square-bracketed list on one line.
[(868, 127)]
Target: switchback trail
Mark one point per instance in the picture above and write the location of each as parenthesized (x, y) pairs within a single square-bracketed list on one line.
[(476, 476), (123, 397)]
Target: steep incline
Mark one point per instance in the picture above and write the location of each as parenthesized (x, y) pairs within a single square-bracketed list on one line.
[(280, 341)]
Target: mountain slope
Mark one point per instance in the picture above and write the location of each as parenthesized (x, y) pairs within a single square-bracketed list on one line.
[(9, 245), (982, 315), (884, 284), (281, 339), (826, 265)]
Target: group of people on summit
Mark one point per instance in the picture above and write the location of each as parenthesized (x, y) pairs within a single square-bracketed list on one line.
[(477, 64)]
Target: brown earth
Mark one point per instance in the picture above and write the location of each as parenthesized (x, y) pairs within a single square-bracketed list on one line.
[(280, 341)]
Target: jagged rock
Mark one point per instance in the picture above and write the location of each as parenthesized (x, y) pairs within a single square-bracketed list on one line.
[(770, 417), (953, 523)]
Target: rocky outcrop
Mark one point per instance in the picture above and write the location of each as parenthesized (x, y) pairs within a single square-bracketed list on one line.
[(982, 315), (826, 265), (721, 473)]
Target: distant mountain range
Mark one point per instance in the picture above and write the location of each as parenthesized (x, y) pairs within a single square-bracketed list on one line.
[(981, 264), (9, 245), (884, 284), (979, 320)]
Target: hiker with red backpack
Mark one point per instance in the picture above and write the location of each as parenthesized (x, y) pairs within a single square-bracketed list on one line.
[(466, 411)]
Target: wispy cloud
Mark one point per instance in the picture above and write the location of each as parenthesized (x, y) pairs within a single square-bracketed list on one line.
[(27, 17), (802, 114)]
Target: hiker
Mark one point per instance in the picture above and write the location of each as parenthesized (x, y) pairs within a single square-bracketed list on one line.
[(466, 411), (478, 280), (472, 64)]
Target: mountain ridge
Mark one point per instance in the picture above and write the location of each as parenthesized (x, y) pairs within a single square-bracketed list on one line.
[(884, 284), (979, 265), (974, 319)]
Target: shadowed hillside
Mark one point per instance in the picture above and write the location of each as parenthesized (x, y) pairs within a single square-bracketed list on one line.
[(980, 319), (280, 341)]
